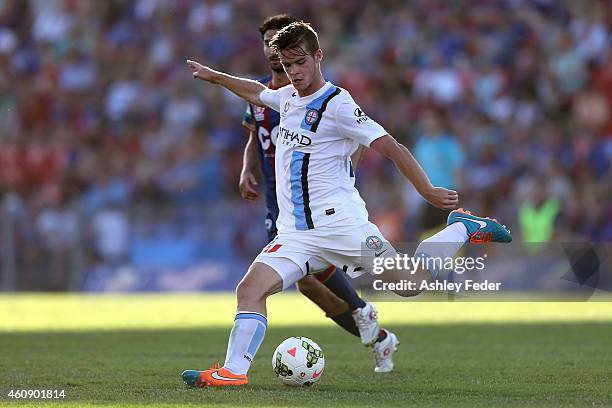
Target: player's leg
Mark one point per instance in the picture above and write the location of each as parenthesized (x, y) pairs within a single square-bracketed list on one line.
[(334, 307), (382, 341), (325, 290), (362, 315), (337, 300), (462, 226), (336, 297), (250, 324)]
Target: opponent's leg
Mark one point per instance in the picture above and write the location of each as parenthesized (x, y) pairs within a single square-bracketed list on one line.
[(336, 281), (334, 307), (383, 342), (383, 351), (363, 314)]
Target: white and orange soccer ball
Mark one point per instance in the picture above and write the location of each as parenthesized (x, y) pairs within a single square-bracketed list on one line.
[(298, 361)]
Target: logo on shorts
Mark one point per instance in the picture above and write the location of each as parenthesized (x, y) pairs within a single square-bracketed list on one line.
[(271, 247), (373, 242), (311, 116)]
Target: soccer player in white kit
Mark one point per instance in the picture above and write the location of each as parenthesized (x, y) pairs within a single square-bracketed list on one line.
[(322, 219)]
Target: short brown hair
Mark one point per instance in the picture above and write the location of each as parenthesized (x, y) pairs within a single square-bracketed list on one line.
[(276, 22), (296, 35)]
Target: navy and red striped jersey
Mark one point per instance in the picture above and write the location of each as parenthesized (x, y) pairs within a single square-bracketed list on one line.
[(264, 122)]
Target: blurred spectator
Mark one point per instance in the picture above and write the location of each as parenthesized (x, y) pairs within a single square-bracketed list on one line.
[(537, 217), (110, 228), (439, 152), (97, 106), (442, 158)]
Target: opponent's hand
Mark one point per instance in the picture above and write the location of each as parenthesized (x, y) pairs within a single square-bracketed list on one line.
[(247, 186), (201, 71), (442, 198)]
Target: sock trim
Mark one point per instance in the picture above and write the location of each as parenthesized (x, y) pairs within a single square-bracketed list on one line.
[(382, 334), (325, 275), (252, 315)]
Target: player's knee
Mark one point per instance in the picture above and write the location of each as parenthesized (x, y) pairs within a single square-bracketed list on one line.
[(244, 291), (250, 291), (258, 284)]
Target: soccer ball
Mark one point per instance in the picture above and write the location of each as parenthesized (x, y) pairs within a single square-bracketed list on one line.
[(298, 361)]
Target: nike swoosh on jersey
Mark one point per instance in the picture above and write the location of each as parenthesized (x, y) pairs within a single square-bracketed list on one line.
[(216, 376), (482, 224)]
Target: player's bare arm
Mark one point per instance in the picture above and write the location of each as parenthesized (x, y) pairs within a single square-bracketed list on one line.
[(247, 89), (412, 170), (250, 164)]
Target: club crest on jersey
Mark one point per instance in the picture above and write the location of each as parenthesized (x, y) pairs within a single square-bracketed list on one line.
[(286, 107), (311, 116), (373, 242), (258, 113)]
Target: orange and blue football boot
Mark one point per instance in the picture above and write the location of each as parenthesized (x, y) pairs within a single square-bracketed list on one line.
[(213, 377), (480, 229)]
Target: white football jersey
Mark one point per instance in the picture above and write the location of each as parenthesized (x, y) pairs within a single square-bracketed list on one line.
[(315, 181)]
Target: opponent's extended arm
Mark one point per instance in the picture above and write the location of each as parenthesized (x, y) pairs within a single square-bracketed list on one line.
[(412, 170), (247, 89)]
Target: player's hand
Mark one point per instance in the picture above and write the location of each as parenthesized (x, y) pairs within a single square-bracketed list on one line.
[(442, 198), (247, 186), (201, 71)]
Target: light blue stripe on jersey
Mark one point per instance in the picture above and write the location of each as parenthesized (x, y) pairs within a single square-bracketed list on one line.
[(297, 193), (315, 105)]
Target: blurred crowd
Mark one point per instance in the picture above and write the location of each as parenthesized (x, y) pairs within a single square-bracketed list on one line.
[(108, 145)]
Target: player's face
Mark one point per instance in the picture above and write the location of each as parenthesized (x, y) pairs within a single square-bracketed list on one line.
[(301, 68), (271, 55)]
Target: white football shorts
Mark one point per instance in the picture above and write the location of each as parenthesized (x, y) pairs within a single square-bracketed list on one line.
[(350, 247)]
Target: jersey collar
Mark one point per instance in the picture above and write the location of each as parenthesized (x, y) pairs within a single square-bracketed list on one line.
[(299, 101)]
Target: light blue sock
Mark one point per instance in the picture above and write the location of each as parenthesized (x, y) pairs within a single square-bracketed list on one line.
[(245, 338)]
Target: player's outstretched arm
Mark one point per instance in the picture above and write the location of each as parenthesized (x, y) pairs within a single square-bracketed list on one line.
[(247, 89), (412, 170)]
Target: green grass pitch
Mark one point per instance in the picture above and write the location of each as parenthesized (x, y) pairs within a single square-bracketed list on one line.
[(117, 351)]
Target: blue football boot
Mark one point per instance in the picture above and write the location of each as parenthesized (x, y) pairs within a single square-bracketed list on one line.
[(480, 229)]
